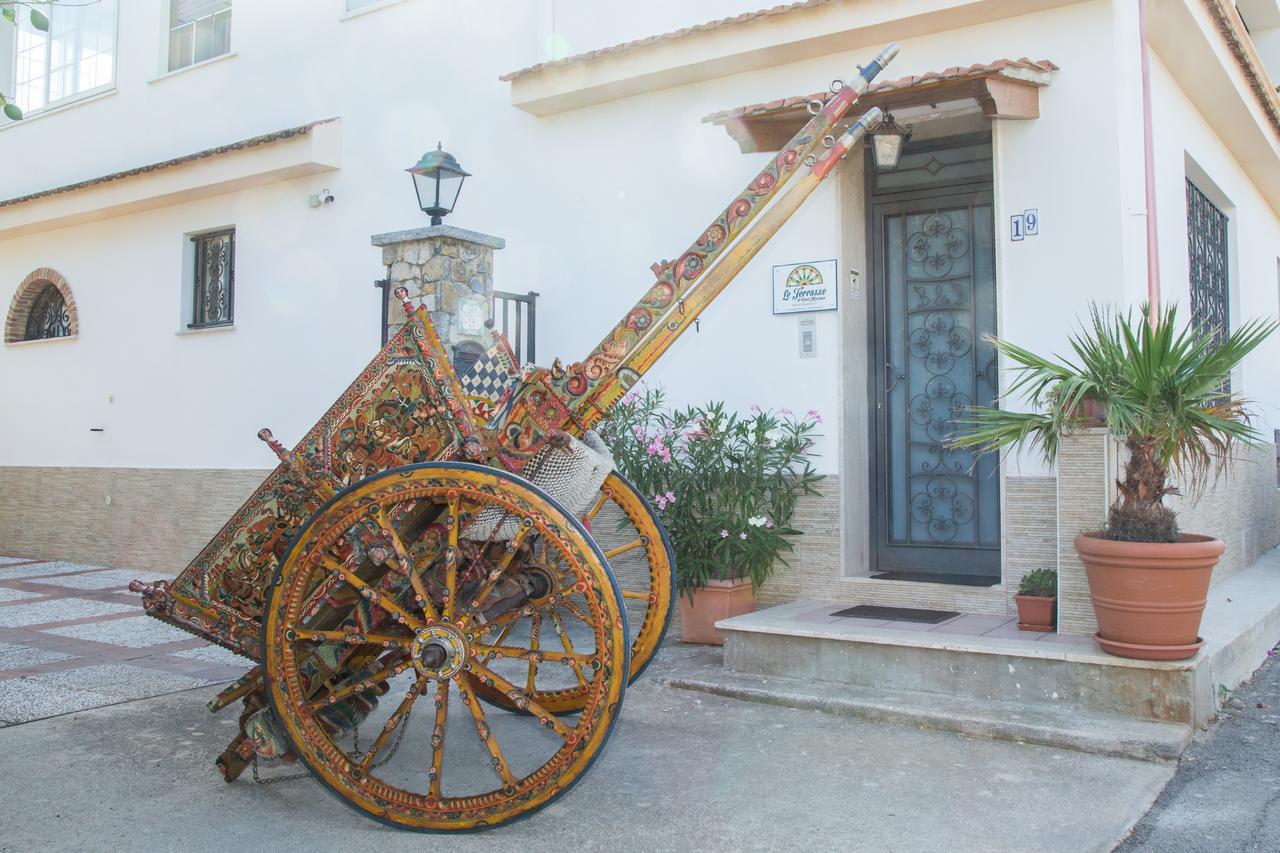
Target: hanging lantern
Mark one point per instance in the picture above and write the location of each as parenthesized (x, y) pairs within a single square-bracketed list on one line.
[(887, 139)]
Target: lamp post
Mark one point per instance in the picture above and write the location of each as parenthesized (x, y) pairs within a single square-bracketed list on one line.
[(887, 139), (437, 179)]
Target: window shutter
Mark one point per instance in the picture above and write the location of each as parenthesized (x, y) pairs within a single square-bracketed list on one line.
[(185, 11)]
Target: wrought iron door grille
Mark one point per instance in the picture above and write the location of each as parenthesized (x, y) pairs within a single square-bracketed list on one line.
[(1207, 263), (48, 317), (213, 297)]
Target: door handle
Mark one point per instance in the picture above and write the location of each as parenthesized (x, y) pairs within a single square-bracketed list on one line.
[(894, 376)]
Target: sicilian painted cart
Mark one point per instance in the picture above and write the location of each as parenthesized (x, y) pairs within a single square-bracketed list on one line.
[(459, 549)]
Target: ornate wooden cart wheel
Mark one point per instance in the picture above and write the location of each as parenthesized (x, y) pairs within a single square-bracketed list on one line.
[(634, 541), (407, 584)]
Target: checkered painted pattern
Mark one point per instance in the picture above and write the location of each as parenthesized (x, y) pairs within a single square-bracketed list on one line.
[(491, 379)]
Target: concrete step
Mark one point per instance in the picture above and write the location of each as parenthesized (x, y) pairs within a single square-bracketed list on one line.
[(1037, 723), (1057, 676)]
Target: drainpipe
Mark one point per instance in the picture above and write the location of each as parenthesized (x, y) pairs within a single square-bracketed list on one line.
[(1153, 253)]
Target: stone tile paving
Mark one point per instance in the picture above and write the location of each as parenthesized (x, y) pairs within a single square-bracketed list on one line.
[(73, 637)]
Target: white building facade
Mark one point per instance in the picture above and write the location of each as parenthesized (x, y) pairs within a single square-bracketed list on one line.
[(162, 132)]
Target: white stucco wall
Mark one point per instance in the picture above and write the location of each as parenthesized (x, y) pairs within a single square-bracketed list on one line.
[(1187, 146), (586, 200)]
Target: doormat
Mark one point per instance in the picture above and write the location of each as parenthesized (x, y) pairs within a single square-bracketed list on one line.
[(930, 577), (900, 614)]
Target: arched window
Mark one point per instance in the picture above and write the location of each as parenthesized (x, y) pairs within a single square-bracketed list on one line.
[(42, 308)]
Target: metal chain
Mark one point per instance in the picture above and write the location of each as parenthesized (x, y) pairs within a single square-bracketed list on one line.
[(355, 753), (274, 779), (403, 726)]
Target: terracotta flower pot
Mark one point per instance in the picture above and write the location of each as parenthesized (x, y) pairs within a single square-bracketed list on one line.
[(1149, 596), (1036, 612), (718, 600)]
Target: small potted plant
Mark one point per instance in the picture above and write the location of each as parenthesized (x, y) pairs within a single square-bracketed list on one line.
[(1164, 390), (1037, 600), (725, 486)]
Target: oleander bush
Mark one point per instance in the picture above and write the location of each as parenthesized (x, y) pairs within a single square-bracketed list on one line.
[(725, 485)]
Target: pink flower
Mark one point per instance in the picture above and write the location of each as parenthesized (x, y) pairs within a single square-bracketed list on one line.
[(661, 501), (742, 536), (786, 411), (671, 497), (724, 534), (629, 398), (755, 408), (813, 413), (638, 432), (657, 448), (769, 523)]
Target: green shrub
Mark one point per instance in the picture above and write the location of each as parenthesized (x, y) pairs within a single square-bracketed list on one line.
[(1042, 583), (725, 485)]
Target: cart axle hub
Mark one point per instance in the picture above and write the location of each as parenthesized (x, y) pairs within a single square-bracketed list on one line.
[(439, 652)]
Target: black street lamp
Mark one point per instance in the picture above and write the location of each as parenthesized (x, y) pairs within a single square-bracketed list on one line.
[(887, 140), (437, 178)]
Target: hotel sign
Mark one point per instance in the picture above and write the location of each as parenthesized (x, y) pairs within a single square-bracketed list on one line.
[(808, 286)]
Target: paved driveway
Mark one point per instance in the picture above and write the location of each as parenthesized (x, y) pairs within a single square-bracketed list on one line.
[(108, 746)]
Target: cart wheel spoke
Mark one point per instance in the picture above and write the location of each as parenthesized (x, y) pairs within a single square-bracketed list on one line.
[(484, 732), (622, 549), (599, 505), (359, 686), (568, 647), (354, 638), (451, 558), (576, 611), (491, 580), (635, 595), (402, 615), (392, 722), (534, 624), (522, 700), (405, 564), (522, 653), (437, 740)]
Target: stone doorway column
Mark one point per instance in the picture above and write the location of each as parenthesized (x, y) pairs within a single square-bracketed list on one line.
[(447, 269)]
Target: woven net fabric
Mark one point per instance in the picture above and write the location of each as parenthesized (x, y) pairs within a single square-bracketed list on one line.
[(572, 475)]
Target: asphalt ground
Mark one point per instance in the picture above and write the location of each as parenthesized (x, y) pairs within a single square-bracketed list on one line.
[(1225, 795)]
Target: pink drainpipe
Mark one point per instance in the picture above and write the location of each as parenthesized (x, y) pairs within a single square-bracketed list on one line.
[(1153, 253)]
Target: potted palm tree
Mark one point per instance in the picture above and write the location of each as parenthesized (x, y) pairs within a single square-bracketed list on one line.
[(1165, 392)]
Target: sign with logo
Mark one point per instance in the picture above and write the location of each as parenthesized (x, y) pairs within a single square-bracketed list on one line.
[(810, 286)]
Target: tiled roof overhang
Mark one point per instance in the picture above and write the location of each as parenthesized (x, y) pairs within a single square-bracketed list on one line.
[(243, 144), (1006, 88), (745, 17)]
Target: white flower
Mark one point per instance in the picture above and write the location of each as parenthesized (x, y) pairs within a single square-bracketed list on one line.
[(757, 521)]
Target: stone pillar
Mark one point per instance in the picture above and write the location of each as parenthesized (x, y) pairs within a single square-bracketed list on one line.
[(447, 269), (1086, 488)]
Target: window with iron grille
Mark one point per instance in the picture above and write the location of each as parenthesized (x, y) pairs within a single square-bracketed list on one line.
[(1207, 264), (213, 293), (48, 317)]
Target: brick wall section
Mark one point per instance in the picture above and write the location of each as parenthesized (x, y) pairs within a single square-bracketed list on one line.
[(15, 324), (1084, 492), (158, 519), (817, 568), (1242, 508), (1029, 531)]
